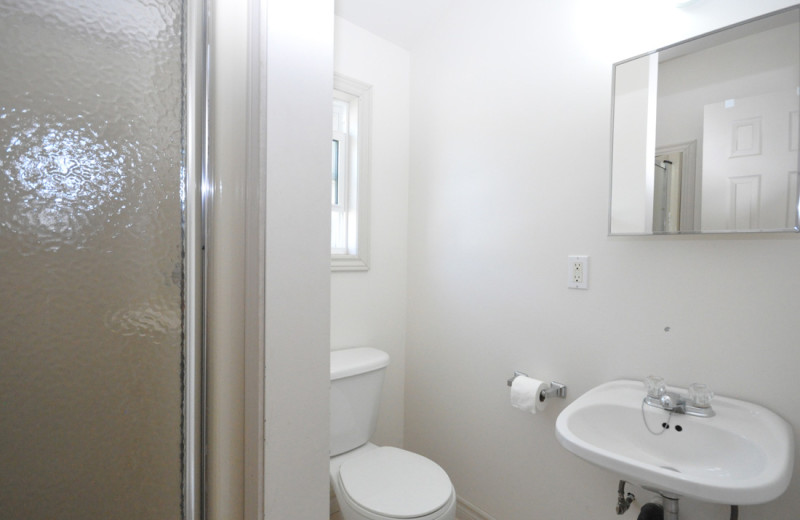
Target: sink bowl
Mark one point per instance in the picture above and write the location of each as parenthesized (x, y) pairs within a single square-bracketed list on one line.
[(743, 455)]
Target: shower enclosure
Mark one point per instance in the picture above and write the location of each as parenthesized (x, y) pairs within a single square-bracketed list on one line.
[(100, 120)]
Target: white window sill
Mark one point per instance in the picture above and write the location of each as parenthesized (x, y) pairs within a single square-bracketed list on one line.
[(348, 263)]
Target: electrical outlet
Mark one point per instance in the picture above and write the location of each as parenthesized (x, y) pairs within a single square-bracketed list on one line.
[(578, 272)]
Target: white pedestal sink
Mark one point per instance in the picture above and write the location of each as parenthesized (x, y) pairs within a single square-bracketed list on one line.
[(742, 455)]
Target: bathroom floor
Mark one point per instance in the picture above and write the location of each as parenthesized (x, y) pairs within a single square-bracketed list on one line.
[(338, 516), (335, 514)]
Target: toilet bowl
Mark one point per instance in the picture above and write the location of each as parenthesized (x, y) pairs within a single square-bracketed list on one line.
[(373, 482), (382, 483)]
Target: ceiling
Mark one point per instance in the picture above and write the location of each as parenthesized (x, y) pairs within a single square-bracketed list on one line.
[(399, 21)]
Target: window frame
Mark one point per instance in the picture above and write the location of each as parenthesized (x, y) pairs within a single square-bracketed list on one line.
[(354, 180)]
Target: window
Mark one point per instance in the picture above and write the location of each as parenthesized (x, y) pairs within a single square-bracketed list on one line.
[(350, 174)]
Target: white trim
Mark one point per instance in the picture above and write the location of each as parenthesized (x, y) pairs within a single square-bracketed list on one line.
[(255, 264), (359, 259), (348, 263), (467, 511)]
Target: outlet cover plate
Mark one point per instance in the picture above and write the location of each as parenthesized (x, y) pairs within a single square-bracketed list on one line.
[(578, 272)]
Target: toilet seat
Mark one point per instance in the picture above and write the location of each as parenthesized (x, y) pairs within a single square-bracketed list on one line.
[(395, 483)]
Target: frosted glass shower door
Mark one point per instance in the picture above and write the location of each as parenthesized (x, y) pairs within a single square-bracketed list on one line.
[(91, 259)]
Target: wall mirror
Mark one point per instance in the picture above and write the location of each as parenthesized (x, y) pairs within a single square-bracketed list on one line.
[(705, 133)]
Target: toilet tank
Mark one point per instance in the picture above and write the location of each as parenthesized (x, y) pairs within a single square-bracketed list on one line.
[(356, 380)]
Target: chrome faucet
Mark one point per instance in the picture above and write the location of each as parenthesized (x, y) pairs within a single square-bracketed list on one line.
[(697, 403)]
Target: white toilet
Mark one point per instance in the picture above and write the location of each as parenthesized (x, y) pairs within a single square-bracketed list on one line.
[(372, 482)]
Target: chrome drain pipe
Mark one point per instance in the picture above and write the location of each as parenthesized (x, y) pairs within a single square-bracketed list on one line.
[(670, 508), (623, 500)]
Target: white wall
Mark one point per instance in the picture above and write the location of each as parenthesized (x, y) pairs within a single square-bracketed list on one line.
[(269, 299), (509, 175), (369, 308), (297, 70)]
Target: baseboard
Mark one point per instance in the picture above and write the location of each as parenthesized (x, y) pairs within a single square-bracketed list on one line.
[(467, 511)]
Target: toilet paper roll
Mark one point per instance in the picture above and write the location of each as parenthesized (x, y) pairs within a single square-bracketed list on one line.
[(525, 393)]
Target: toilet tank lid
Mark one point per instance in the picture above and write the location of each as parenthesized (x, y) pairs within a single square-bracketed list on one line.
[(353, 361)]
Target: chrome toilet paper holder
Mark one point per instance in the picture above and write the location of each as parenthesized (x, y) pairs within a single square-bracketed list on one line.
[(556, 389)]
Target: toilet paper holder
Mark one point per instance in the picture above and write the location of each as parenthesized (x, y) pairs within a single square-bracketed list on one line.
[(556, 389)]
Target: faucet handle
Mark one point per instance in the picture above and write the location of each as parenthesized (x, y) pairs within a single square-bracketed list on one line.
[(700, 395), (656, 387)]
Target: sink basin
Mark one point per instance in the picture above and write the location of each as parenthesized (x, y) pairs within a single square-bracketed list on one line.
[(742, 455)]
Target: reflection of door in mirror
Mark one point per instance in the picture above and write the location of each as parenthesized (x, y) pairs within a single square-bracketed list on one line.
[(667, 194), (750, 162), (675, 189), (735, 98)]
